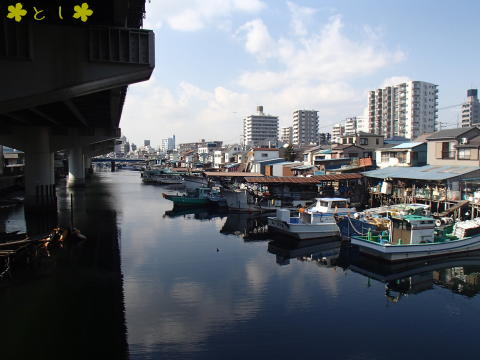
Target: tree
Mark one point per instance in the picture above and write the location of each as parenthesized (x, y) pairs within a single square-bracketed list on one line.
[(290, 153)]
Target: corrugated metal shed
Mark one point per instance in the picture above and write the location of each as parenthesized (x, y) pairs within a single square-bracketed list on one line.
[(302, 180), (427, 172)]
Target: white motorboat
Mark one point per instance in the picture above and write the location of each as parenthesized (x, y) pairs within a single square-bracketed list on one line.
[(415, 236), (317, 221)]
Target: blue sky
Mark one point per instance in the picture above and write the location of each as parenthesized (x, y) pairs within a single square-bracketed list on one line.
[(217, 59)]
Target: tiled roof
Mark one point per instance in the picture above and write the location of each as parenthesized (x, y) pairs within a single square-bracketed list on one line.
[(450, 133)]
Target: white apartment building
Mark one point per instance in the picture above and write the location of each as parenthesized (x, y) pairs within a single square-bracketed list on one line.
[(260, 129), (408, 109), (351, 125), (471, 109), (305, 127), (338, 131), (286, 135), (362, 124), (168, 144)]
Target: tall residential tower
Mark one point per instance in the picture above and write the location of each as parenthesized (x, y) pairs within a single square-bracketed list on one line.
[(305, 127), (471, 109), (260, 129), (408, 109)]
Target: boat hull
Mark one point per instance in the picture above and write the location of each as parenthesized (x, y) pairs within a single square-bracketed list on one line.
[(163, 181), (408, 252), (187, 201), (304, 231)]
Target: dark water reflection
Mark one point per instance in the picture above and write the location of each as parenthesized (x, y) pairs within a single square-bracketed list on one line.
[(206, 285)]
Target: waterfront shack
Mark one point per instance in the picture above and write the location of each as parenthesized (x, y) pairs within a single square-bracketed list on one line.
[(229, 179), (437, 186), (293, 189)]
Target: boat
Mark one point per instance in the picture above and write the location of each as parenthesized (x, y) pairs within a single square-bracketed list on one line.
[(377, 218), (200, 197), (317, 221), (161, 176), (194, 181), (415, 236)]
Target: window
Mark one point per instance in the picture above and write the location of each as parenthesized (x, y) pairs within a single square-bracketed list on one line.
[(377, 141), (264, 155), (363, 141), (385, 157), (339, 204), (464, 154), (344, 141), (350, 140), (447, 153)]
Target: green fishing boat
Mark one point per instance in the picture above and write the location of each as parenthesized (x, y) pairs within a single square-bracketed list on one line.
[(201, 197)]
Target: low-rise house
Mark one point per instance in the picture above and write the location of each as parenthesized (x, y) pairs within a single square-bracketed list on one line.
[(368, 142), (230, 152), (406, 154), (458, 147), (260, 154), (218, 159), (282, 168), (348, 151), (261, 165)]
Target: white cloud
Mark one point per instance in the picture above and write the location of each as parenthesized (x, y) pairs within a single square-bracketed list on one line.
[(257, 39), (193, 15), (300, 18), (314, 71), (394, 80)]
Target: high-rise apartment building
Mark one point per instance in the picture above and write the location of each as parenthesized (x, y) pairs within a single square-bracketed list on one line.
[(362, 124), (168, 144), (471, 109), (408, 109), (260, 129), (338, 131), (286, 134), (351, 125), (305, 127)]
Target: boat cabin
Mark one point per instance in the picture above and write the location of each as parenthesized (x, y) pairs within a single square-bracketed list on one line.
[(411, 229), (338, 206)]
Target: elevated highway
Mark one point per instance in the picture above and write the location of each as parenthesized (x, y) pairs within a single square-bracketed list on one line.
[(64, 82)]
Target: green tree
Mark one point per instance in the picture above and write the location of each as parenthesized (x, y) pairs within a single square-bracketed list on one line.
[(290, 153)]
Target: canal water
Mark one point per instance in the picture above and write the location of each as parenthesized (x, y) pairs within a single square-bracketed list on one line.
[(152, 283)]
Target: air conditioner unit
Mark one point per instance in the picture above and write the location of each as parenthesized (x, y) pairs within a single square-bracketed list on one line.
[(464, 141)]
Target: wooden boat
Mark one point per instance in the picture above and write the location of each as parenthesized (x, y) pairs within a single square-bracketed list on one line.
[(414, 236)]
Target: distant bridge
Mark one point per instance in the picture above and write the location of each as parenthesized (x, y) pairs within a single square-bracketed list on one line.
[(118, 160)]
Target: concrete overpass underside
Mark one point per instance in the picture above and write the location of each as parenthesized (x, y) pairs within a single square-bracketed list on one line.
[(64, 83)]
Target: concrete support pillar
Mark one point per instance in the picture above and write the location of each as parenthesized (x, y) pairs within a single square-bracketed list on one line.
[(76, 167), (39, 171), (88, 166)]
